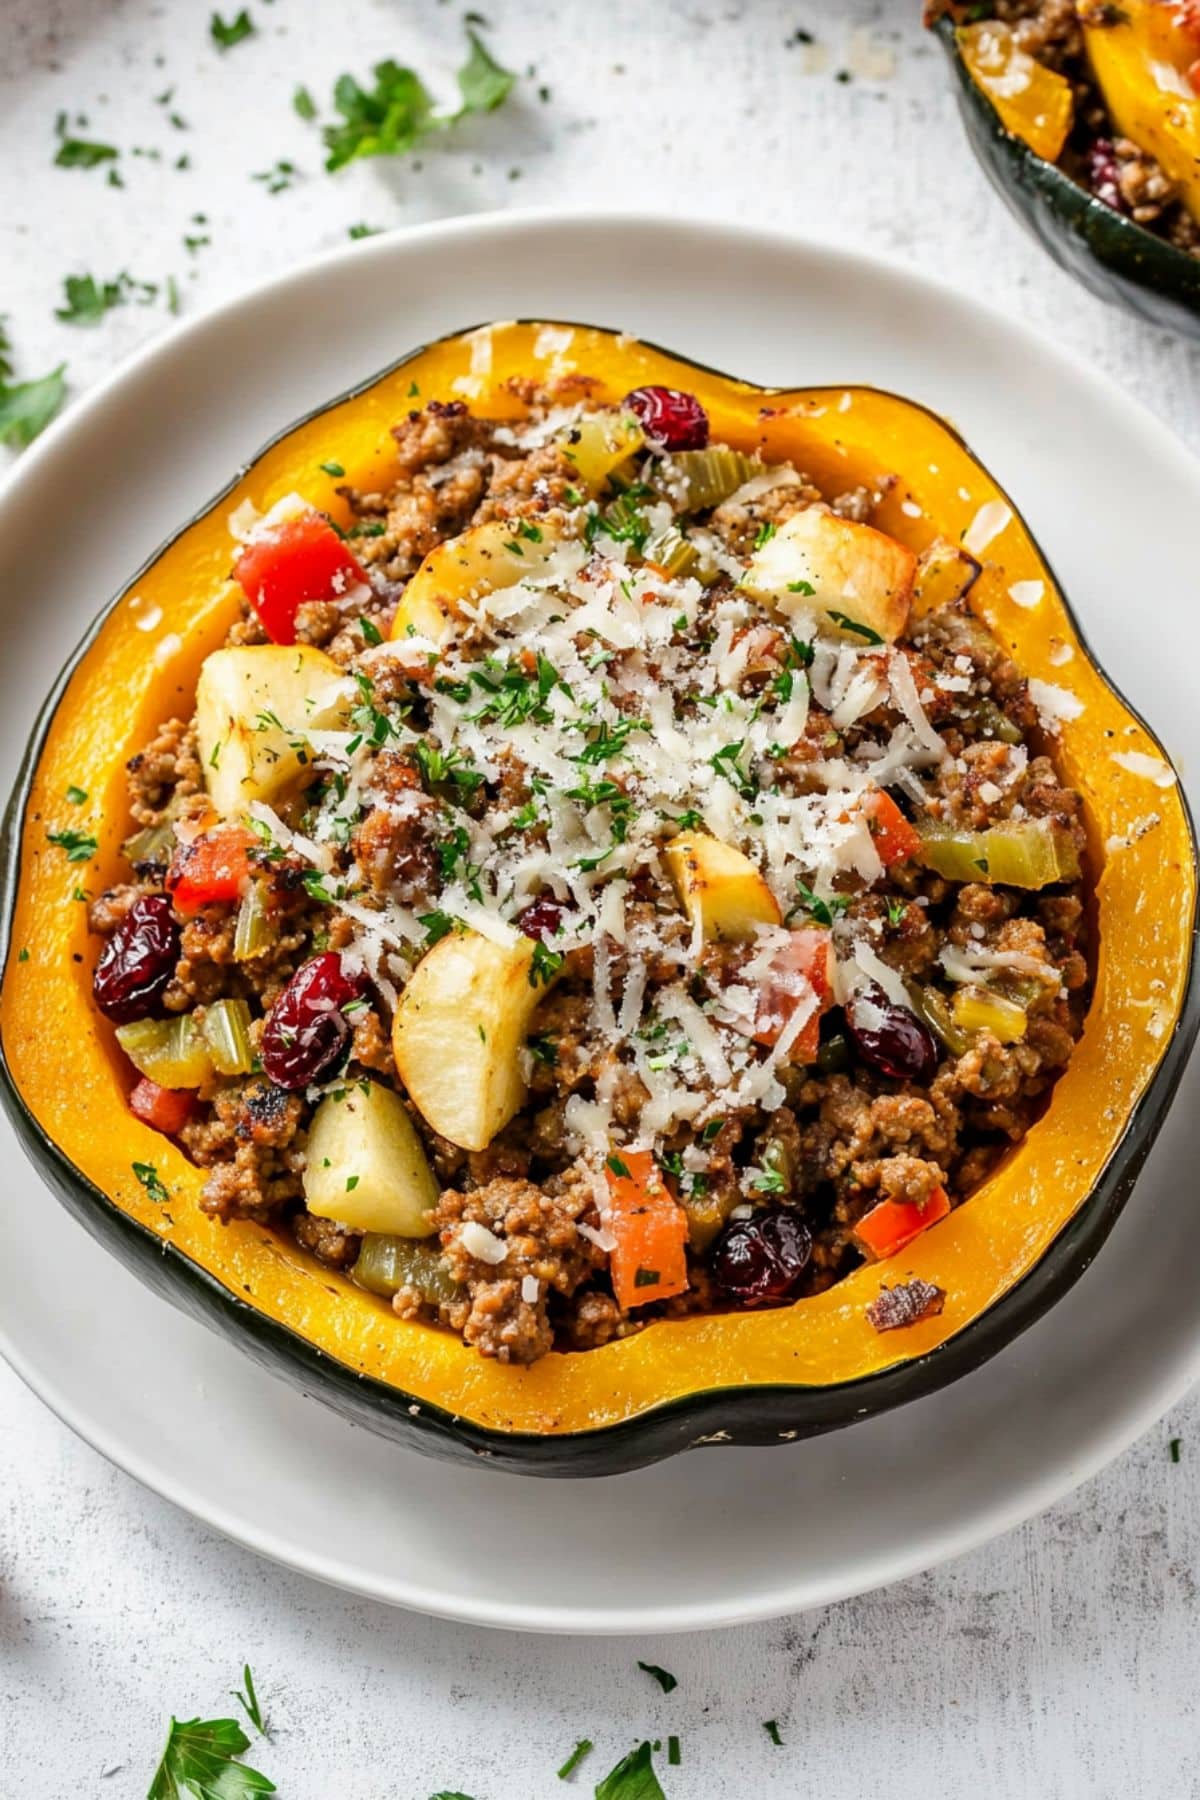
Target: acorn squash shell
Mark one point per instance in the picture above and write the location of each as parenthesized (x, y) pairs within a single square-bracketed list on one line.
[(1003, 1257)]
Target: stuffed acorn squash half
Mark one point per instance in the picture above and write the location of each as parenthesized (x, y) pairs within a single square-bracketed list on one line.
[(1086, 118), (620, 911)]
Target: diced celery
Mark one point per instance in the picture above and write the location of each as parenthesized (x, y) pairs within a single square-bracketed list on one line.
[(931, 1005), (153, 844), (710, 476), (227, 1033), (707, 1213), (386, 1264), (171, 1052), (994, 723), (975, 1009), (254, 931), (1024, 853), (599, 444)]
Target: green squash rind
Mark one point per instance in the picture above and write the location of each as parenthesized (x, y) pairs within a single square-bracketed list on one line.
[(1116, 260)]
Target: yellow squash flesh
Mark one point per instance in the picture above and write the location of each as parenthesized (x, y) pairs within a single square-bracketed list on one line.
[(69, 1073), (1140, 54)]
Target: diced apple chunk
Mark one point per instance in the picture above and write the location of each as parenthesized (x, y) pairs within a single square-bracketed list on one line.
[(253, 703), (494, 555), (860, 579), (364, 1164), (458, 1032), (723, 887)]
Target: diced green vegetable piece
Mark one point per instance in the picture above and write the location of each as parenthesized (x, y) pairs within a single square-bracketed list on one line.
[(598, 445), (386, 1264), (1024, 853), (995, 723), (932, 1006), (833, 1055), (675, 555), (707, 1213), (254, 931), (227, 1033), (711, 475), (153, 844), (171, 1052)]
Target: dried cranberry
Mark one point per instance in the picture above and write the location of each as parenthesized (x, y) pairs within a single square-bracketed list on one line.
[(543, 919), (1104, 174), (138, 961), (762, 1258), (673, 419), (306, 1029), (890, 1037)]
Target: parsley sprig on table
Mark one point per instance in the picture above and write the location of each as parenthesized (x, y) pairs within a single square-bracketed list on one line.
[(200, 1763), (397, 112)]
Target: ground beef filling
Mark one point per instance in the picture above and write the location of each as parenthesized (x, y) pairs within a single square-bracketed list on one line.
[(518, 1259)]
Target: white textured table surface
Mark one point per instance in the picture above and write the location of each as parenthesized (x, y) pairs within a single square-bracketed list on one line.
[(1058, 1662)]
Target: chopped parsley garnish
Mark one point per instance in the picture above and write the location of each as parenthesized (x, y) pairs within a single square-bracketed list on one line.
[(711, 1130), (802, 587), (583, 1748), (854, 625), (81, 153), (76, 795), (725, 762), (609, 740), (371, 632), (764, 534), (437, 926), (666, 1681), (771, 1727), (279, 177), (247, 1697), (394, 115), (633, 1778), (442, 768), (452, 861), (646, 1278), (200, 1758), (226, 36), (1173, 1447), (545, 965), (333, 468), (513, 696), (303, 105), (823, 911), (363, 231), (80, 846), (767, 1181), (351, 1183), (896, 910), (87, 300), (149, 1177), (673, 1755), (620, 1169), (26, 407)]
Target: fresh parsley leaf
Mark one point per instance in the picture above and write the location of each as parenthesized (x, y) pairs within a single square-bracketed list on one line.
[(246, 1697), (848, 624), (83, 153), (394, 115), (666, 1681), (27, 407), (620, 1169), (583, 1748), (199, 1763), (437, 926), (896, 910), (371, 632), (303, 105), (802, 587), (632, 1779), (76, 795), (483, 84), (823, 911), (333, 468), (86, 300), (771, 1727), (764, 534), (545, 965), (80, 846), (150, 1179), (226, 36)]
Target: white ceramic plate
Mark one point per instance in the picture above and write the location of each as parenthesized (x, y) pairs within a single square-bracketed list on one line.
[(726, 1535)]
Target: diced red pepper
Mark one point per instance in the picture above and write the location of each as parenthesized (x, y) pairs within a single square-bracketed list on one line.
[(166, 1109), (804, 962), (214, 867), (290, 563), (895, 839), (651, 1228), (888, 1227)]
